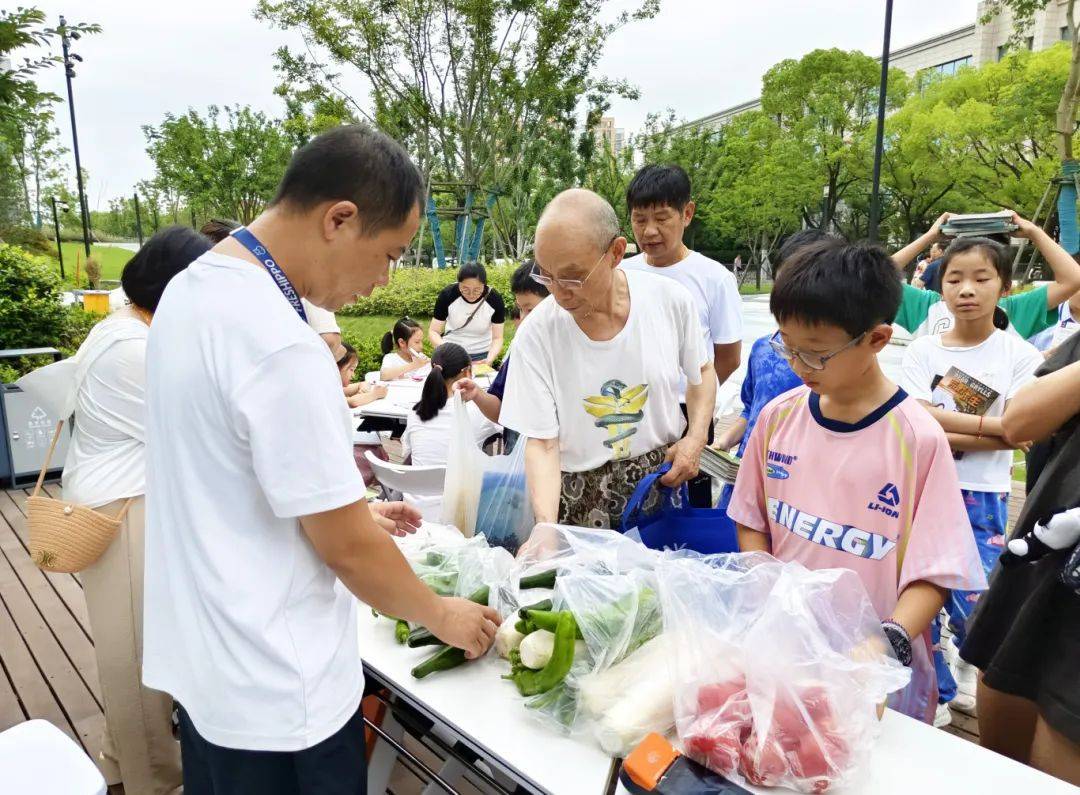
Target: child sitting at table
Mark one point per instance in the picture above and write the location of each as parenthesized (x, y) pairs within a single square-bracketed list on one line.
[(427, 432), (359, 393), (849, 472), (403, 351)]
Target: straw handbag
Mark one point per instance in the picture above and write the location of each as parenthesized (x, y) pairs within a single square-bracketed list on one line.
[(65, 537)]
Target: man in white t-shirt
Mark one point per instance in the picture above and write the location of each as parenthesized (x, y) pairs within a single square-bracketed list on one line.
[(255, 507), (597, 368), (660, 207)]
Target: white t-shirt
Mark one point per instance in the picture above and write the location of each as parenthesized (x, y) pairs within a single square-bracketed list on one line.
[(564, 385), (322, 320), (472, 335), (393, 359), (247, 431), (429, 442), (975, 380), (1066, 326), (715, 293)]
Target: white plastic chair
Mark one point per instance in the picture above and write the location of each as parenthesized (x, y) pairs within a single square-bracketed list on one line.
[(422, 486), (422, 481), (36, 757)]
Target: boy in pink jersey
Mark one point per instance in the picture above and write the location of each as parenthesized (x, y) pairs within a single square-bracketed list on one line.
[(848, 471)]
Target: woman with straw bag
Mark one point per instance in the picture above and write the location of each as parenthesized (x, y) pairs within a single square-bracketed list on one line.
[(98, 527)]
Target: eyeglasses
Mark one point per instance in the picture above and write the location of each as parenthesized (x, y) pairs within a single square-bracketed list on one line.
[(814, 361), (569, 284)]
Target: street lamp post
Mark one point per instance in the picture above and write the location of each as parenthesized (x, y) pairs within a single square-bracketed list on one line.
[(69, 72), (56, 225), (879, 142), (138, 220)]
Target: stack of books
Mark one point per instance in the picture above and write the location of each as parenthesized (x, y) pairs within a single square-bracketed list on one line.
[(979, 224), (720, 464)]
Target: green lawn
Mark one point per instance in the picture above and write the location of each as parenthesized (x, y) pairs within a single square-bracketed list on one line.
[(1019, 471), (112, 261)]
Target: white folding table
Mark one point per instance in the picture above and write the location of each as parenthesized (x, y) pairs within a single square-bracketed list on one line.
[(473, 709)]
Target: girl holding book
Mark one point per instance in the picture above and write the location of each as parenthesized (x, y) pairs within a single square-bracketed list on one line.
[(965, 377)]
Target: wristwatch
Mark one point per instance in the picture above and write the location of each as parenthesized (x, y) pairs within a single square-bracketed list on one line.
[(900, 640)]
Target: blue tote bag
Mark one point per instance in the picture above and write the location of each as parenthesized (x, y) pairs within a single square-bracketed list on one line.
[(671, 526)]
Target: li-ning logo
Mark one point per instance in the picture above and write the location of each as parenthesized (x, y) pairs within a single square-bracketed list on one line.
[(887, 501)]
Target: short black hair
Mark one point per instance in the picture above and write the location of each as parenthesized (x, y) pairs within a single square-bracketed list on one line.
[(853, 286), (472, 270), (795, 241), (217, 229), (161, 257), (354, 163), (658, 186), (521, 281)]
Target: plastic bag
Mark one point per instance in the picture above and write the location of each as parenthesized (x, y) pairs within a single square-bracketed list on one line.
[(482, 493), (452, 565), (504, 514), (461, 489), (778, 670)]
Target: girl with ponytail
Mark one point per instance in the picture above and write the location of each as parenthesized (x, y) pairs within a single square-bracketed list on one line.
[(403, 351), (427, 432)]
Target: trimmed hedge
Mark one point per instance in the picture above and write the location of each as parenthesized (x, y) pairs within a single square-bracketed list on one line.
[(412, 291)]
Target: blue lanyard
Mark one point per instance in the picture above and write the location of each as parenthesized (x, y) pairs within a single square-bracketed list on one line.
[(252, 244)]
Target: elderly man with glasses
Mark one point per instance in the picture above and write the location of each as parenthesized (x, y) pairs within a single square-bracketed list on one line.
[(597, 369)]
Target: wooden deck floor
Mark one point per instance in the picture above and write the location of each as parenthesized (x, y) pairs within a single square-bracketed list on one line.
[(47, 664)]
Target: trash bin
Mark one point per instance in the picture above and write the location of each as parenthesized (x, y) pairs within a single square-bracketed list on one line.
[(96, 301), (27, 429)]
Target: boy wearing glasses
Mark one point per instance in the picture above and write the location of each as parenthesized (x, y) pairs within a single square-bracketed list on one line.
[(847, 471)]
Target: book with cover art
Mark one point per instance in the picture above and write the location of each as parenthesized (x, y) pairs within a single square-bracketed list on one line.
[(960, 392)]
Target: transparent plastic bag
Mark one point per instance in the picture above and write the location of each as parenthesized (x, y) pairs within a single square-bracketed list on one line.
[(606, 690), (778, 670), (504, 514), (485, 494), (455, 566), (464, 468)]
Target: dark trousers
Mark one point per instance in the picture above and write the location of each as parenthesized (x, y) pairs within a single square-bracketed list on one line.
[(336, 766), (700, 488)]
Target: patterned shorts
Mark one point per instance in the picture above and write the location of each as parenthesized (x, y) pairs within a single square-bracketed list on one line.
[(597, 498)]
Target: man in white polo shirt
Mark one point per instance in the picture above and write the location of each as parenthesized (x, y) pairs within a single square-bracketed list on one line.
[(255, 507)]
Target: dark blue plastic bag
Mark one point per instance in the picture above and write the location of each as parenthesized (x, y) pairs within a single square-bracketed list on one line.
[(704, 530)]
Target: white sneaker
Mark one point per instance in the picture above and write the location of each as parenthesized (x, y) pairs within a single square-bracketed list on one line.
[(943, 716), (967, 677)]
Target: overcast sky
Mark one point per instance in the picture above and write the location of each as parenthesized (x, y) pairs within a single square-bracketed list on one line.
[(697, 56)]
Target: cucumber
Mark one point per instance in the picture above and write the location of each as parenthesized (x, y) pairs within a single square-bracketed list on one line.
[(545, 579)]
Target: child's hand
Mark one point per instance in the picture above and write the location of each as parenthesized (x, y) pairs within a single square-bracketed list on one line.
[(940, 222), (380, 391), (1024, 227)]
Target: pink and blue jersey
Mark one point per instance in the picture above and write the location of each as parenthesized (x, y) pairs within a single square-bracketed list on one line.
[(880, 497)]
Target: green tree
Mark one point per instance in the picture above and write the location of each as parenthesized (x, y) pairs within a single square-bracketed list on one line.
[(24, 29), (826, 101), (35, 154), (229, 168), (764, 182), (481, 92)]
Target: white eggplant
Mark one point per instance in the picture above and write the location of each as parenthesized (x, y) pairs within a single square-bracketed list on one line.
[(536, 649), (507, 638)]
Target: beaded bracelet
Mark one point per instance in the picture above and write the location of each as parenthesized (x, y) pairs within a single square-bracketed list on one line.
[(900, 640)]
